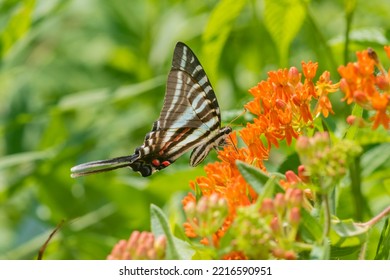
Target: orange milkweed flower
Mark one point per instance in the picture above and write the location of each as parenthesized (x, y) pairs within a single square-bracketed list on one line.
[(372, 92), (387, 50), (324, 86), (309, 69)]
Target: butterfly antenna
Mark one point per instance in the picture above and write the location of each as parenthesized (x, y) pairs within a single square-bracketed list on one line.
[(237, 117), (230, 124)]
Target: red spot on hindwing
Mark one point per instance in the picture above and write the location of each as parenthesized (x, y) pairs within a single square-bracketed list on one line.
[(156, 162), (166, 163)]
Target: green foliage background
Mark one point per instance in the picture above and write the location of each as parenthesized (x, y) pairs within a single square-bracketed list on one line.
[(84, 80)]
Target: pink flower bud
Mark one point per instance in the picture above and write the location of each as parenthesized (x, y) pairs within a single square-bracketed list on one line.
[(118, 251), (279, 202), (302, 174), (202, 205), (140, 253), (278, 253), (292, 178), (189, 209), (280, 104), (294, 76), (275, 226), (267, 207), (290, 255), (295, 216), (161, 242), (213, 199), (303, 143), (360, 97), (383, 82), (296, 197), (133, 240)]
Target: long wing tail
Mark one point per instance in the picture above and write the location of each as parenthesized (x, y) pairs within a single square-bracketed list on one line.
[(102, 165)]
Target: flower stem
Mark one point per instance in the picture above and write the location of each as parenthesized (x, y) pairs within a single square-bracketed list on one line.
[(325, 201), (377, 218), (355, 172)]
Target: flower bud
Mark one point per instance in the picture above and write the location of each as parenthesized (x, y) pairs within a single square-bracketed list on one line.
[(275, 225), (383, 82), (294, 76), (360, 97), (278, 253), (295, 216), (292, 178), (280, 104), (302, 174), (303, 143), (189, 209), (267, 207), (159, 246), (139, 246), (279, 202), (290, 255), (296, 197), (202, 207)]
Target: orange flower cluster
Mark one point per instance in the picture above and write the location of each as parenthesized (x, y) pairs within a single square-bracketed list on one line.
[(282, 108), (282, 105), (372, 92)]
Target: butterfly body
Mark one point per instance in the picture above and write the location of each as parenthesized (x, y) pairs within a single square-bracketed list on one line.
[(189, 120)]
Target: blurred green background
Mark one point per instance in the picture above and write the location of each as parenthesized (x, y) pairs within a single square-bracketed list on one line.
[(84, 80)]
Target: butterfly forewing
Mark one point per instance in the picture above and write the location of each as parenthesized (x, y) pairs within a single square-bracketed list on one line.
[(185, 61)]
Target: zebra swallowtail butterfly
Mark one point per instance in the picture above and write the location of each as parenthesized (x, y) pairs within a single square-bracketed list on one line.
[(189, 120)]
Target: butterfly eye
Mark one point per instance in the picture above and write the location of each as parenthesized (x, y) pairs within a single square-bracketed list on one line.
[(145, 170)]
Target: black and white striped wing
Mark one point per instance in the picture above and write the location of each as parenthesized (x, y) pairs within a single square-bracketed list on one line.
[(188, 92), (189, 120), (190, 115)]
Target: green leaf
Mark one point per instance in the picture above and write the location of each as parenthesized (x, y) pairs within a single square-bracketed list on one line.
[(346, 233), (283, 19), (254, 177), (339, 252), (310, 227), (176, 248), (80, 100), (374, 158), (18, 25), (23, 158), (217, 31), (166, 184), (383, 250), (372, 35), (320, 252)]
